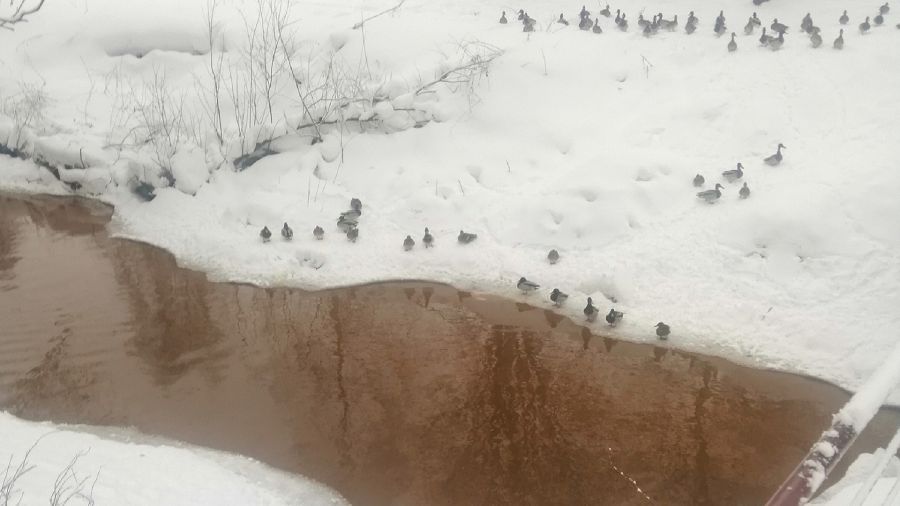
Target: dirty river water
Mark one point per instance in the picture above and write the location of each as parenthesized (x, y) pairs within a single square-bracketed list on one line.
[(398, 393)]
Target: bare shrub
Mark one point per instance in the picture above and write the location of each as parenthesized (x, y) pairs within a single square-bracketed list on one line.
[(26, 108), (18, 12)]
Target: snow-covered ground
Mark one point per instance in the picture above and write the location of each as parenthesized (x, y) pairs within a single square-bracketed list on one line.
[(843, 492), (582, 142), (123, 467)]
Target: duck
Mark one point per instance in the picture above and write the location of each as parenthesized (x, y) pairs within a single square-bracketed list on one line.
[(711, 196), (356, 204), (590, 312), (318, 233), (756, 20), (719, 28), (527, 286), (749, 27), (776, 43), (732, 46), (265, 234), (465, 237), (669, 25), (605, 11), (813, 29), (618, 16), (352, 234), (806, 22), (720, 19), (663, 331), (778, 27), (765, 39), (408, 243), (562, 20), (585, 24), (699, 180), (775, 159), (759, 2), (521, 15), (844, 19), (744, 191), (839, 41), (558, 298), (345, 224), (734, 174), (647, 31), (352, 214), (584, 12), (884, 9), (553, 256), (613, 317), (642, 22), (623, 23), (286, 232), (692, 18), (428, 239), (503, 18), (879, 20), (690, 28), (864, 26), (816, 39), (596, 28)]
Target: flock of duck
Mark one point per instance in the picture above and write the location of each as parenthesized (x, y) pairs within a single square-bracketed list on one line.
[(657, 23)]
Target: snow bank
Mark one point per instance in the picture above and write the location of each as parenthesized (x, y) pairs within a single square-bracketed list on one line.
[(126, 468), (843, 492), (580, 142)]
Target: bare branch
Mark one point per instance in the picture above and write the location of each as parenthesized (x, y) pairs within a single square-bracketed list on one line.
[(364, 21), (19, 15)]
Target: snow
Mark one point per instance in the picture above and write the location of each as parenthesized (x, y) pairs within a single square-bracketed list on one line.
[(843, 492), (580, 142), (123, 467)]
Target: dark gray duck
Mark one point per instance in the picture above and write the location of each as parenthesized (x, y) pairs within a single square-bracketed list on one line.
[(408, 243), (884, 9), (749, 27), (663, 331), (734, 174), (553, 256), (356, 204), (590, 312), (605, 12), (345, 224), (558, 298), (353, 234), (806, 22), (711, 196), (562, 20), (265, 234), (596, 28), (864, 26), (744, 192), (879, 20), (286, 232), (690, 28), (732, 46), (585, 24), (699, 180), (613, 317), (428, 239), (815, 39), (777, 42), (318, 233), (765, 39), (844, 18), (839, 41), (465, 237), (521, 15), (778, 27), (775, 159), (527, 286), (756, 20), (503, 18)]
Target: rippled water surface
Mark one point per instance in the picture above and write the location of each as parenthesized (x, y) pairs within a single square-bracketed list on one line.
[(401, 393)]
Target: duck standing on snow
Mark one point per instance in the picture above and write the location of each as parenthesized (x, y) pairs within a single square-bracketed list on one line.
[(286, 232), (806, 23), (879, 20), (663, 331), (778, 27), (734, 174), (344, 223), (711, 196), (356, 204), (749, 27), (864, 26), (815, 39), (465, 237), (732, 46), (503, 18), (699, 180), (623, 23), (765, 39), (775, 159), (614, 317), (596, 28), (584, 12), (692, 19), (428, 239), (527, 286), (690, 28), (265, 234), (884, 9), (839, 41), (408, 243), (553, 256), (585, 24), (756, 20), (562, 20), (353, 234), (744, 192), (318, 233), (605, 12), (776, 43), (590, 312), (844, 18), (521, 15), (558, 298)]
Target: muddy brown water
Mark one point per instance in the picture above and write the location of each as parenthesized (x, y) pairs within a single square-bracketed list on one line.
[(399, 393)]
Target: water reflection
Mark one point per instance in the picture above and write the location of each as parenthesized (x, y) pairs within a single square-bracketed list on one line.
[(392, 393)]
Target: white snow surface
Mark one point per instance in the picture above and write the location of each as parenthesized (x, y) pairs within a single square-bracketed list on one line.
[(843, 492), (123, 467), (580, 142)]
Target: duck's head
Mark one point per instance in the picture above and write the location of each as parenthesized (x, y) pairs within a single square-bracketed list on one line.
[(782, 146), (521, 280), (718, 186), (740, 166), (590, 301), (660, 324)]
